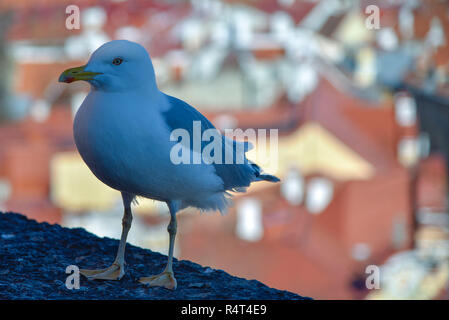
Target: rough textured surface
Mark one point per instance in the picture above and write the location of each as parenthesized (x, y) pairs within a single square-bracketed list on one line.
[(34, 257)]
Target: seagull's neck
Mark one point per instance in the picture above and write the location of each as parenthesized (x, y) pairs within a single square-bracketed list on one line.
[(144, 89), (149, 96)]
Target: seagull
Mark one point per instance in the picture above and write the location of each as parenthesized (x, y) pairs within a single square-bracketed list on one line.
[(123, 131)]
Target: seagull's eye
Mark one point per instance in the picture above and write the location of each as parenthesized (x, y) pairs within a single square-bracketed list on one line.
[(117, 61)]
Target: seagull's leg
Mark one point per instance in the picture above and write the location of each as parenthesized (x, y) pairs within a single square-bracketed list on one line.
[(166, 278), (117, 269)]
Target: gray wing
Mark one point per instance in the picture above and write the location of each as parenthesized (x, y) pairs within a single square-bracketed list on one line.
[(235, 176)]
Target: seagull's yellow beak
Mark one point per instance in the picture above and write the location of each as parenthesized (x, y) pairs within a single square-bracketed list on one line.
[(75, 74)]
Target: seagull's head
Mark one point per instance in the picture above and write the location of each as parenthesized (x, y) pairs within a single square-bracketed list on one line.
[(115, 66)]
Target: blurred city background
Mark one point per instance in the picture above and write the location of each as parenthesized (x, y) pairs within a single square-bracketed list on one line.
[(362, 113)]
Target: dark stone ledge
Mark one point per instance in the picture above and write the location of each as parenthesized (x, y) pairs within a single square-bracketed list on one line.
[(34, 257)]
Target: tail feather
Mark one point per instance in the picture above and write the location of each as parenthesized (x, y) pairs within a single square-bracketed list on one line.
[(268, 177), (262, 176)]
